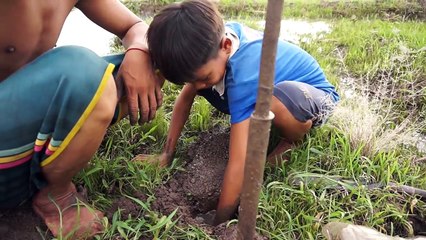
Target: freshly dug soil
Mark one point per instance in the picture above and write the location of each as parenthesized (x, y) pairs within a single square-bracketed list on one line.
[(195, 191), (230, 233), (127, 206)]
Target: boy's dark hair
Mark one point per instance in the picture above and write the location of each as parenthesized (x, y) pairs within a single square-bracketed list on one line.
[(184, 36)]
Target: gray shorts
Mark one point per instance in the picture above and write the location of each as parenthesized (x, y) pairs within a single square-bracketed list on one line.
[(305, 102)]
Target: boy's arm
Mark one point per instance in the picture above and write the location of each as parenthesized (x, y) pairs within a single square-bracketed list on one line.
[(234, 173), (136, 76), (180, 114)]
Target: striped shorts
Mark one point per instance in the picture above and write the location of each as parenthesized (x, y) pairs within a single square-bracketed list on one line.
[(43, 105)]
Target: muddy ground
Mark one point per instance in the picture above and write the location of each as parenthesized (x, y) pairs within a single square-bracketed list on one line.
[(193, 191)]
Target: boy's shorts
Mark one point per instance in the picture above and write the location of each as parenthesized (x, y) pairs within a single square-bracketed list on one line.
[(305, 102), (43, 105)]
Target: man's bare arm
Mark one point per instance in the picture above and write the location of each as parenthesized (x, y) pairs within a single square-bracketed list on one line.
[(114, 17), (141, 85)]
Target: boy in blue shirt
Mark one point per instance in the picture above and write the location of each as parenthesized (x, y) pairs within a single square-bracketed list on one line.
[(190, 45)]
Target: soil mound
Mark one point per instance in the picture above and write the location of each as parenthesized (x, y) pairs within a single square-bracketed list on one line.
[(195, 191)]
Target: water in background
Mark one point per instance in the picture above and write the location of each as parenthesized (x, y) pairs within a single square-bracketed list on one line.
[(297, 31), (79, 30)]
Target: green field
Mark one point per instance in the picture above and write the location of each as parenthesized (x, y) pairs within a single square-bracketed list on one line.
[(375, 53)]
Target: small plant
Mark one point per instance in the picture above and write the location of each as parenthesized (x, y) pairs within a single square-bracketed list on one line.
[(200, 118)]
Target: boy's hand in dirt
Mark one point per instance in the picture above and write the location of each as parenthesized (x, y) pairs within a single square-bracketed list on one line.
[(206, 218), (161, 159), (224, 214)]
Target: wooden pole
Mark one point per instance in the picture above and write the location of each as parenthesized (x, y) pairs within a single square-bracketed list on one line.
[(260, 123)]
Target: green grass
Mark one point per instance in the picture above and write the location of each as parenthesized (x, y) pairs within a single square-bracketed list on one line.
[(386, 58), (201, 115), (312, 9), (366, 141), (291, 211)]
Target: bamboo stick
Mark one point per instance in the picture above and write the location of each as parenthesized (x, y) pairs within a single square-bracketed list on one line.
[(260, 123)]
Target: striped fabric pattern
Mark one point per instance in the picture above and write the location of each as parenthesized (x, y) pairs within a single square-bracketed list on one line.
[(17, 156), (14, 157), (36, 130)]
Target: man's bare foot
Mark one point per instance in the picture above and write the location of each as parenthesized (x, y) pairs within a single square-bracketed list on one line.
[(280, 153), (67, 216)]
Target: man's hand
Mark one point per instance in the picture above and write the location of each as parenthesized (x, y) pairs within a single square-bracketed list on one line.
[(135, 77), (141, 85)]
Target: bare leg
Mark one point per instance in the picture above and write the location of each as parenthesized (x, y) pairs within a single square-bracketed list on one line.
[(75, 219), (291, 130)]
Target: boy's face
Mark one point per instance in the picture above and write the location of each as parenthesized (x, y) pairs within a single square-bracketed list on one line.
[(213, 71)]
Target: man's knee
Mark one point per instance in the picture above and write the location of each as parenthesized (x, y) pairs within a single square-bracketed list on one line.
[(106, 107), (84, 71)]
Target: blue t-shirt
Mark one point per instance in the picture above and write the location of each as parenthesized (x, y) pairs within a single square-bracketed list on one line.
[(242, 71)]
